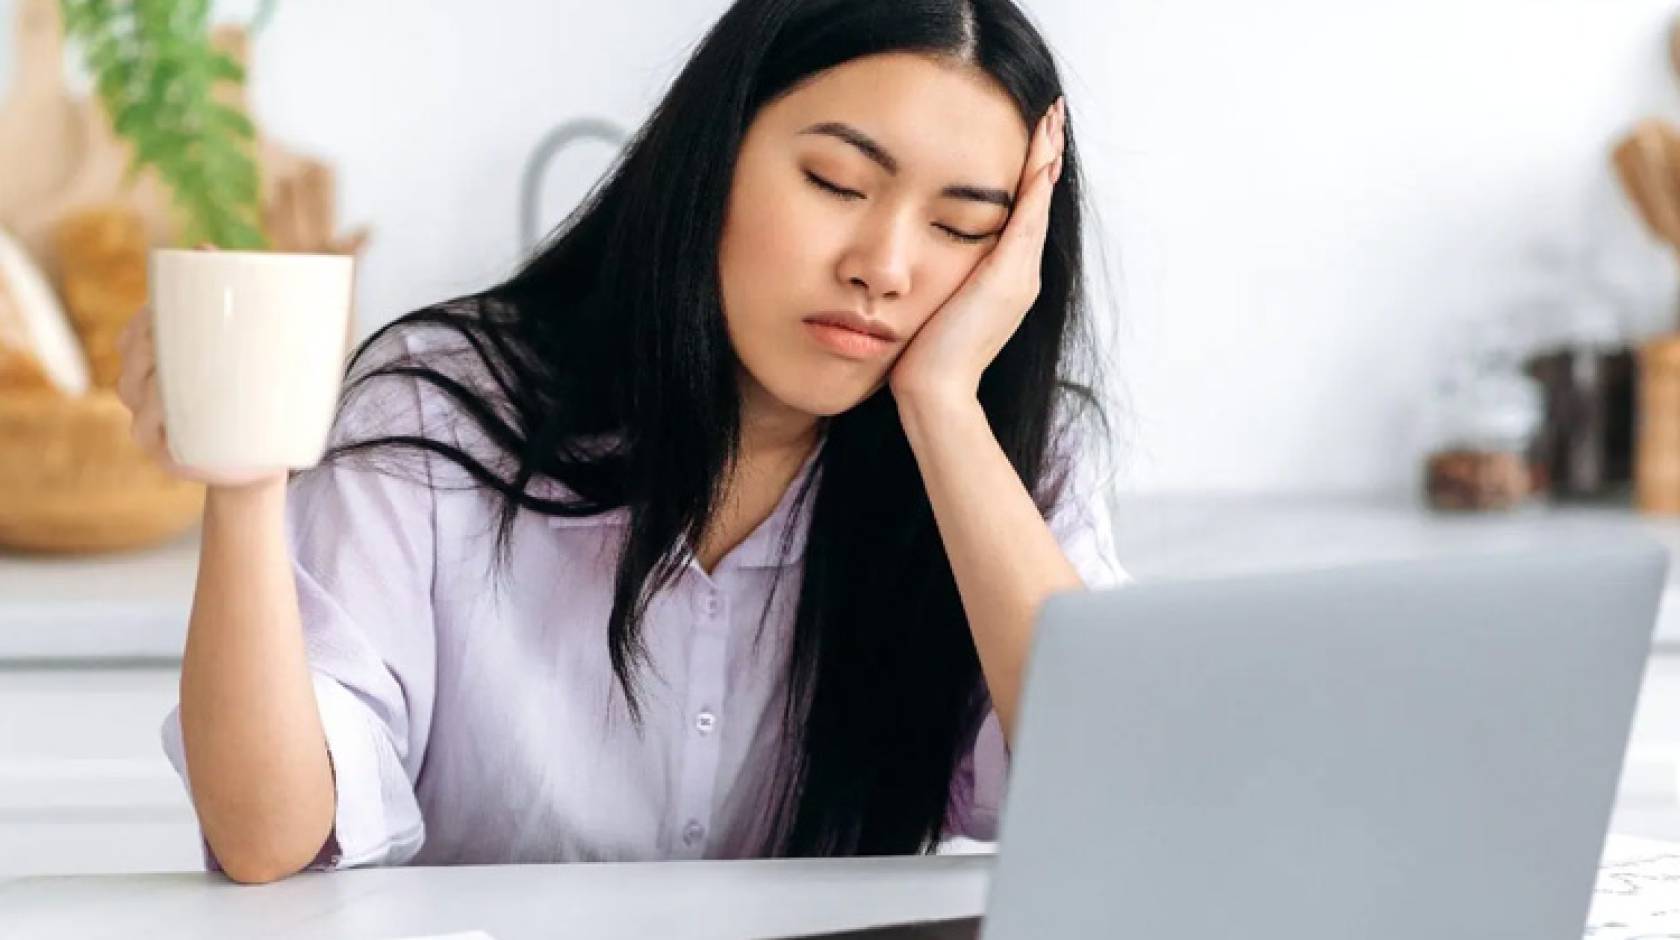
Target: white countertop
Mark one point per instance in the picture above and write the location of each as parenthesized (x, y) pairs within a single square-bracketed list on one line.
[(659, 899), (646, 899), (135, 605), (124, 605)]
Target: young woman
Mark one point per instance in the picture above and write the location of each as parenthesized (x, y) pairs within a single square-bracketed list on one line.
[(719, 528)]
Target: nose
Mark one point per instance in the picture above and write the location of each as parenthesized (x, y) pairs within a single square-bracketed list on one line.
[(878, 260)]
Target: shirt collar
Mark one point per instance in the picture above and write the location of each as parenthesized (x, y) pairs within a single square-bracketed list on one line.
[(760, 549)]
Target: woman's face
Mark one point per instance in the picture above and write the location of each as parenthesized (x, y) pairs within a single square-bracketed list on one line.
[(872, 190)]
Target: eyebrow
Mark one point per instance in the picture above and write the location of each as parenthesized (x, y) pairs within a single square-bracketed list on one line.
[(886, 161)]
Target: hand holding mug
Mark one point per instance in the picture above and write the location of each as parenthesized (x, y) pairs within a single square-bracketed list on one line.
[(232, 371)]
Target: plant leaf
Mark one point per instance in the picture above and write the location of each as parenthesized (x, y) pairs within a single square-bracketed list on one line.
[(156, 72)]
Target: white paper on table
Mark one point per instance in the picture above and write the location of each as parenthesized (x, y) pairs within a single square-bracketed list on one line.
[(1638, 890), (465, 935)]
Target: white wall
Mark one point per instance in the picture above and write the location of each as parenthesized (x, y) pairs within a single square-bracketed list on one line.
[(1312, 199), (1305, 201)]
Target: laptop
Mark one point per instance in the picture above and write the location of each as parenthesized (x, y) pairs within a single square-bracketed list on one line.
[(1390, 751)]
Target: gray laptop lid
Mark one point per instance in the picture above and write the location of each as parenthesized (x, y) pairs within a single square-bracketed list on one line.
[(1387, 752)]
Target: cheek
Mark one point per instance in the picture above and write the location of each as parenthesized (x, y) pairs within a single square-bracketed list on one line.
[(772, 243)]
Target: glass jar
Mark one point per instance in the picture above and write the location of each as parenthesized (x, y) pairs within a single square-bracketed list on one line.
[(1483, 454)]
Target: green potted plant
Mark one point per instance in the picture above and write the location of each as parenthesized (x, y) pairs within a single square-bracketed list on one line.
[(157, 74)]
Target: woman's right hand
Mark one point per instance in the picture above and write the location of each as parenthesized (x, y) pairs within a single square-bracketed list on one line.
[(137, 387)]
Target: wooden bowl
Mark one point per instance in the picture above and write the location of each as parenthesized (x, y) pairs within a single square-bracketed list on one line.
[(73, 480)]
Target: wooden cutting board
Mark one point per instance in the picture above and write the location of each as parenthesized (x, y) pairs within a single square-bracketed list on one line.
[(40, 123), (59, 155)]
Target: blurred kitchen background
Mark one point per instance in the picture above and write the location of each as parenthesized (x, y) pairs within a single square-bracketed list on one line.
[(1366, 269), (1308, 207)]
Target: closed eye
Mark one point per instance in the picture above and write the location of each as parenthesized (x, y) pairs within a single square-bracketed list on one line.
[(840, 191), (963, 237), (823, 184)]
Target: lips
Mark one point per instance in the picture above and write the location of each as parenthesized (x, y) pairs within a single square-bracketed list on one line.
[(856, 322), (851, 336)]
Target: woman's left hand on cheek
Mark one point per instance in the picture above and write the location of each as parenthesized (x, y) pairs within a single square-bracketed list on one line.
[(956, 344)]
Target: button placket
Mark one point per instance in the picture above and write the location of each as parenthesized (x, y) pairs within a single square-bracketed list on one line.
[(707, 666)]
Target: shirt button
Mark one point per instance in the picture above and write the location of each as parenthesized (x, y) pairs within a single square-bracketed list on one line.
[(712, 605), (705, 722), (693, 833)]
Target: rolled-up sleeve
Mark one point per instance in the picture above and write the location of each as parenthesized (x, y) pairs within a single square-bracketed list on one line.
[(362, 543), (1082, 520)]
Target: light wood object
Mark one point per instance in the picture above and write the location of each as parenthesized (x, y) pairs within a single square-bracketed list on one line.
[(1647, 163), (79, 163), (102, 264), (58, 155), (71, 479), (1657, 462)]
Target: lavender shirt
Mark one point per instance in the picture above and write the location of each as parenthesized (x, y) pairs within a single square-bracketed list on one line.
[(471, 724)]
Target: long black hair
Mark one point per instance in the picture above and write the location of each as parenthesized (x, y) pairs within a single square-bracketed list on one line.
[(613, 331)]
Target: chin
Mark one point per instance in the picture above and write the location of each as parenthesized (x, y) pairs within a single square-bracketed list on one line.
[(819, 405), (823, 395)]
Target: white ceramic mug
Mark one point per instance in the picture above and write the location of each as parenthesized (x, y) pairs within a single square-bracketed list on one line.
[(250, 351)]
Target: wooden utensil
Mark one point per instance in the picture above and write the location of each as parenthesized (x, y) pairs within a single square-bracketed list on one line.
[(1674, 46), (1645, 161), (50, 175), (40, 124), (1657, 448)]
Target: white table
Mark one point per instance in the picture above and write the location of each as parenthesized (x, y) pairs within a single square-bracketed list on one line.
[(653, 900), (1639, 880)]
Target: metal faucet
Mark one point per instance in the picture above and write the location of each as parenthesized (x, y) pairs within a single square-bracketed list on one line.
[(556, 140)]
